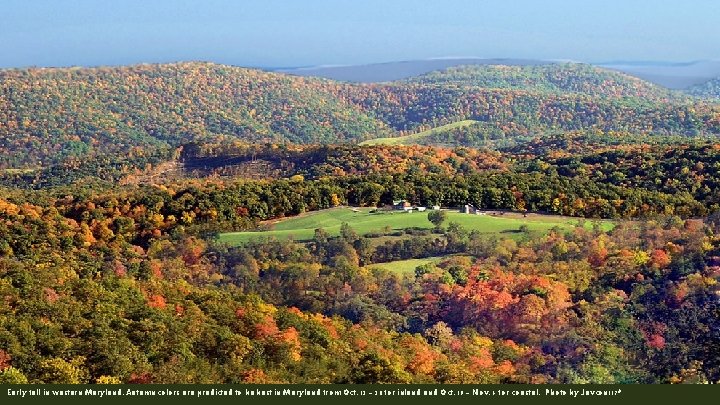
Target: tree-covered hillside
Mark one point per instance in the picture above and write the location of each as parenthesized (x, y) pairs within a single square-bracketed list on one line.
[(552, 78), (709, 89), (410, 108), (51, 115), (127, 284), (71, 117)]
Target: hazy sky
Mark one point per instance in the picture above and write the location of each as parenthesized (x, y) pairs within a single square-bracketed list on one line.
[(275, 33)]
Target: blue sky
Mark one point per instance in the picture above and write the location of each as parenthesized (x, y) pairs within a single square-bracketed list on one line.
[(276, 33)]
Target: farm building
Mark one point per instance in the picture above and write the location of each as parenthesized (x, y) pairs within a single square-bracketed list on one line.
[(471, 209), (402, 205)]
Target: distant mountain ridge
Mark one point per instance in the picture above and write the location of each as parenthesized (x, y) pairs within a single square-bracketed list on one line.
[(672, 75), (709, 89), (571, 78), (392, 71), (74, 115), (678, 76)]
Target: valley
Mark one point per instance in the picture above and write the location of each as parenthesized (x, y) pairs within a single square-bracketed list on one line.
[(204, 223)]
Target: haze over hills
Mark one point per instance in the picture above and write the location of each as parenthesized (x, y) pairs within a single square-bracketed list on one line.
[(709, 89), (667, 74), (390, 71), (670, 75)]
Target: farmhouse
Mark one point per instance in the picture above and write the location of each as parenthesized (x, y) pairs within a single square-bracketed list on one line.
[(402, 205)]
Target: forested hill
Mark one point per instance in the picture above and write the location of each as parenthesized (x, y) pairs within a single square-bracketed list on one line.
[(709, 89), (60, 116), (145, 233), (552, 78), (47, 115)]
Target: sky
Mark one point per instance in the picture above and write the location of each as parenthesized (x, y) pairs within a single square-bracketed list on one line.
[(277, 33)]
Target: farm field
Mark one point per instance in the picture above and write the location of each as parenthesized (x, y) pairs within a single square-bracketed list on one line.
[(362, 221), (405, 266), (414, 138)]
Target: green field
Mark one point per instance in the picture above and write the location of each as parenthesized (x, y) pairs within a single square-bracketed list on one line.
[(415, 138), (405, 266), (362, 221), (17, 171)]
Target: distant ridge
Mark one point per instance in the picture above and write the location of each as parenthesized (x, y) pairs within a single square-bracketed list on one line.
[(79, 114), (390, 71), (672, 75), (668, 74), (709, 89)]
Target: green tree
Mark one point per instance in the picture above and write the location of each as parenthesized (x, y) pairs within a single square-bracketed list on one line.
[(59, 371), (11, 375), (437, 217)]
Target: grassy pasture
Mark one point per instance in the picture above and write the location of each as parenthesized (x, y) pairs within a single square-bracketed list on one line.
[(415, 138), (405, 266), (303, 227)]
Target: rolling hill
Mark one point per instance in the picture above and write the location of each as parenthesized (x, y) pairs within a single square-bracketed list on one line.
[(672, 75), (534, 100), (143, 114), (709, 89), (50, 115), (573, 78), (391, 71)]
